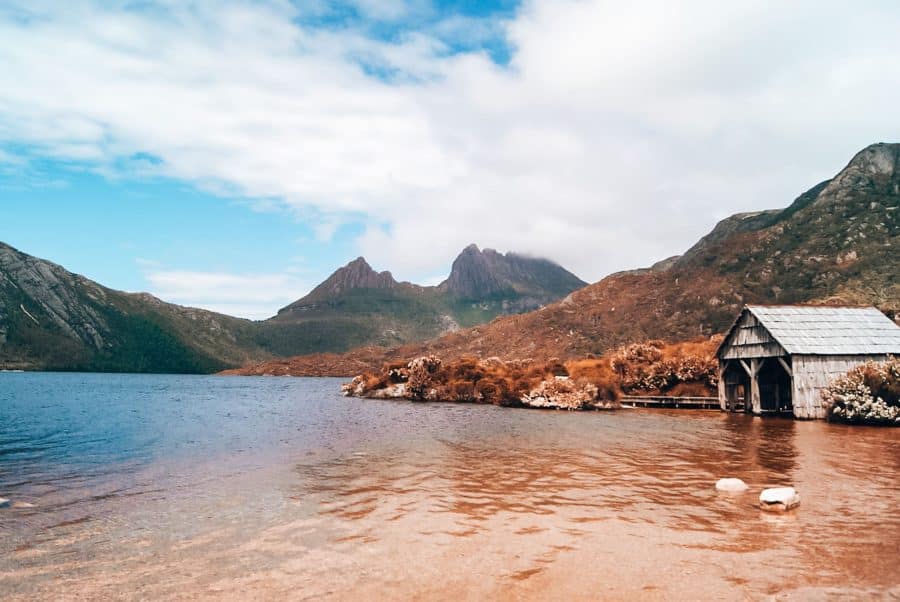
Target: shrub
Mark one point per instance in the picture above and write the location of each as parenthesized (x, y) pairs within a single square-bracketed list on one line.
[(657, 367), (598, 372), (867, 394)]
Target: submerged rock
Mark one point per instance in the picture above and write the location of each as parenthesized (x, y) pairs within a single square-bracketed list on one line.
[(779, 499), (731, 485)]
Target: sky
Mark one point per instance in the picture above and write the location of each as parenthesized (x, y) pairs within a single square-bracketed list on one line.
[(230, 155)]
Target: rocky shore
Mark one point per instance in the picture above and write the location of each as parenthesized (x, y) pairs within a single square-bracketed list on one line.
[(592, 383), (520, 383)]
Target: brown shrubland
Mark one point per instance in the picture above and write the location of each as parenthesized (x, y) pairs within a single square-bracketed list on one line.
[(652, 367)]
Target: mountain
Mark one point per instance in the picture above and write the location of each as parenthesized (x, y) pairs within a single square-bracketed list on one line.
[(358, 306), (837, 243), (53, 319), (355, 275), (521, 281)]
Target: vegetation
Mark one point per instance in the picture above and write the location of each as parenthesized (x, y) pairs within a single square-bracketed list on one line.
[(51, 319), (654, 367), (868, 394)]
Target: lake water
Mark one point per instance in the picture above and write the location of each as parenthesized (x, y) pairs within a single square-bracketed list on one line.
[(191, 487)]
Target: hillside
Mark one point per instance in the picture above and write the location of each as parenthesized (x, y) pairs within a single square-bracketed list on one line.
[(358, 306), (52, 319), (836, 243)]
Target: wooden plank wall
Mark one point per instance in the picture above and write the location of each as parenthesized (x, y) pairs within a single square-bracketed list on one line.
[(812, 373), (751, 339)]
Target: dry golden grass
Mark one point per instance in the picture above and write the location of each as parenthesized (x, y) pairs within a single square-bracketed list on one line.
[(652, 367)]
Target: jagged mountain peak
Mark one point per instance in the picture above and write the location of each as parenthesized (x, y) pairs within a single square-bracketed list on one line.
[(881, 158), (357, 274), (478, 274)]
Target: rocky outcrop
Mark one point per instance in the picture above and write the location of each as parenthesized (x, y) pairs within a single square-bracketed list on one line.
[(562, 393), (488, 274), (46, 289), (357, 274), (51, 318), (779, 499)]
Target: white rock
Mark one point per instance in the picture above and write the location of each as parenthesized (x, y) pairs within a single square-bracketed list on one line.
[(731, 485), (4, 503), (396, 391), (779, 499)]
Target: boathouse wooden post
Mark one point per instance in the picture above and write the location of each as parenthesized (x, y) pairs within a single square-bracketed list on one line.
[(755, 401), (723, 397)]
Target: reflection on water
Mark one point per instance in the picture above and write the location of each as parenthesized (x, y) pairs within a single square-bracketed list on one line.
[(317, 496)]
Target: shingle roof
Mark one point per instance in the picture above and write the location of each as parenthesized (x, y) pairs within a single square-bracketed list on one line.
[(830, 330)]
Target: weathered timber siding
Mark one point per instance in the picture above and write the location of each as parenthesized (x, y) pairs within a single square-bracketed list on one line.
[(723, 398), (812, 373), (750, 339)]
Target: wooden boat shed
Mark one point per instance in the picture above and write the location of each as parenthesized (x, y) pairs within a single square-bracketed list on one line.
[(777, 359)]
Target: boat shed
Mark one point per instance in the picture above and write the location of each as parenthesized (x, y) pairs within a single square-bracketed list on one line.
[(777, 359)]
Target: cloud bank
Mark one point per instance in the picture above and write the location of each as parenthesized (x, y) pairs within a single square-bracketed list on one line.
[(615, 135)]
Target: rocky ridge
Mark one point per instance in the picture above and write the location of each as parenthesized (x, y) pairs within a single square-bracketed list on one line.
[(51, 318), (836, 244)]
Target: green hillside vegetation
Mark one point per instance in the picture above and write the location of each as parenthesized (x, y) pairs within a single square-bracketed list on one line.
[(51, 319)]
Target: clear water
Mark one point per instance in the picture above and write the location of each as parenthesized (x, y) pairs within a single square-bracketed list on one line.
[(132, 486)]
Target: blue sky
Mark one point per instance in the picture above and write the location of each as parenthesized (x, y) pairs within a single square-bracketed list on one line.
[(231, 154)]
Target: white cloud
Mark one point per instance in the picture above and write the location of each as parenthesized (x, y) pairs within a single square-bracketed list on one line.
[(254, 296), (618, 134)]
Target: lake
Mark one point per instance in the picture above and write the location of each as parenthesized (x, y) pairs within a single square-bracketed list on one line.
[(195, 487)]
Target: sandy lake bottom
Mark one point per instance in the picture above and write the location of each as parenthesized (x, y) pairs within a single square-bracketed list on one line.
[(186, 487)]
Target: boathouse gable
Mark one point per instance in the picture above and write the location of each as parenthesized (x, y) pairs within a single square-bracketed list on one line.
[(777, 359)]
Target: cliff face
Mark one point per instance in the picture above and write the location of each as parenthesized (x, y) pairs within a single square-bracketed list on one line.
[(488, 274), (474, 275), (51, 318)]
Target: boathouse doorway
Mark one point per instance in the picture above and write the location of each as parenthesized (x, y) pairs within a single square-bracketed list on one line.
[(737, 388), (775, 387)]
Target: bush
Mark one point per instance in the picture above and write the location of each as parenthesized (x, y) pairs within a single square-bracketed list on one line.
[(867, 394), (687, 368), (657, 367), (598, 372)]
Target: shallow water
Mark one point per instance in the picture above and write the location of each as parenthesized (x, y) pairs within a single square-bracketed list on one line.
[(191, 487)]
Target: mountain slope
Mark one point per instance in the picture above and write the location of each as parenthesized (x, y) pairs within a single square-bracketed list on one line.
[(839, 242), (53, 319), (358, 306), (836, 243)]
